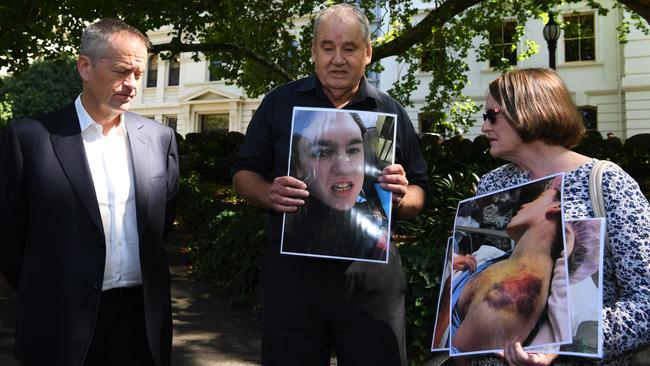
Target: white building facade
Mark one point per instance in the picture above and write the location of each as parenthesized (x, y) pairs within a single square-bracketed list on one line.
[(182, 94), (610, 81)]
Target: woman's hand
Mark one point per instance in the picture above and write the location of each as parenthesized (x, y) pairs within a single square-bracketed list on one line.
[(516, 356)]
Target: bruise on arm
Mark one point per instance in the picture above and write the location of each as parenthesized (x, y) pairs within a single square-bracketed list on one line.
[(517, 293), (500, 304)]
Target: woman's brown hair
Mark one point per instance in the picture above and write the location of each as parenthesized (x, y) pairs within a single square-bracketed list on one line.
[(537, 104)]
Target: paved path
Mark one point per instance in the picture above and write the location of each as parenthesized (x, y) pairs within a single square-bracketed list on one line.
[(206, 330)]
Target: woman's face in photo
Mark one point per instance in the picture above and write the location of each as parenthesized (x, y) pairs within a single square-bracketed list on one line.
[(537, 209), (331, 160)]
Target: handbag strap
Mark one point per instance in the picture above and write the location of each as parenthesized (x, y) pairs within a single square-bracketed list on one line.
[(596, 187), (598, 204)]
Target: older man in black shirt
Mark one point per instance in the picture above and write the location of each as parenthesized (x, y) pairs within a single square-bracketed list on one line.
[(310, 305)]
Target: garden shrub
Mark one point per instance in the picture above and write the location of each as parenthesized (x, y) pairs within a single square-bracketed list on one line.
[(45, 86), (230, 259), (225, 236), (637, 160), (633, 155), (210, 154)]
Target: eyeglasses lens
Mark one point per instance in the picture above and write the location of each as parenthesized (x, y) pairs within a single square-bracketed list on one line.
[(490, 115)]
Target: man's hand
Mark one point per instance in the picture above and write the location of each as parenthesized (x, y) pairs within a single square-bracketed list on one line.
[(408, 200), (284, 194), (393, 179), (287, 193), (516, 356)]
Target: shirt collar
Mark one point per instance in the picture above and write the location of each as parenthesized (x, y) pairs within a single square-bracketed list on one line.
[(85, 121), (366, 90)]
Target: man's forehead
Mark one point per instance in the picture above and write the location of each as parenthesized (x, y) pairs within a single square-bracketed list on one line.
[(126, 42), (344, 38), (130, 51), (339, 27)]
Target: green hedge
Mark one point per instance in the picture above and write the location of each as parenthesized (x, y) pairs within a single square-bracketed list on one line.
[(228, 238), (45, 86)]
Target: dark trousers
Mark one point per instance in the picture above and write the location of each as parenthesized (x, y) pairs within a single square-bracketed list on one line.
[(120, 337), (311, 306)]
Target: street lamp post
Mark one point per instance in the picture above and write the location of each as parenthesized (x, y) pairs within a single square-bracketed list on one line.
[(551, 34)]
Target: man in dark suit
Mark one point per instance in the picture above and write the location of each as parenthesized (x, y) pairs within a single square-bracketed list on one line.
[(86, 199)]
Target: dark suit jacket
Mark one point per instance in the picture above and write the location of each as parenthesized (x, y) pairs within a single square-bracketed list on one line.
[(52, 247)]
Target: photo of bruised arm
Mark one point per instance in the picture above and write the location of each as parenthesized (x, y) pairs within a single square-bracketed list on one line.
[(505, 298)]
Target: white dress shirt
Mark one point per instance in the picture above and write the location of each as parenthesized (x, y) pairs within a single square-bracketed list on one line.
[(111, 167)]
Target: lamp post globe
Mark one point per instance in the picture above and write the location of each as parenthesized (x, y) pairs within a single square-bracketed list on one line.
[(551, 34)]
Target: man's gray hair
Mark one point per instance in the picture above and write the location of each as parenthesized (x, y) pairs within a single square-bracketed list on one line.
[(338, 10), (95, 38)]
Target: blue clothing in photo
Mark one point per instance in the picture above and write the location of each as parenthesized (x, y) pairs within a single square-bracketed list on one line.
[(457, 289)]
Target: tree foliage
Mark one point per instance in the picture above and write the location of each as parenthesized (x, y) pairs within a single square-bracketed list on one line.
[(43, 87), (259, 44), (5, 113)]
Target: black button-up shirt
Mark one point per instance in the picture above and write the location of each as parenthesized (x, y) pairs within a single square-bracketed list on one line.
[(266, 148)]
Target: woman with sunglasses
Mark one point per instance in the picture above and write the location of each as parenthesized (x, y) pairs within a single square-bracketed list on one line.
[(532, 122)]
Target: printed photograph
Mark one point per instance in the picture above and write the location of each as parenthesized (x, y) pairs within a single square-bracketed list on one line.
[(440, 340), (508, 256), (585, 254), (339, 154), (586, 287)]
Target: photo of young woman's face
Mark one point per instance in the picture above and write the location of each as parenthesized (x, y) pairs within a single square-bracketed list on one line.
[(331, 159)]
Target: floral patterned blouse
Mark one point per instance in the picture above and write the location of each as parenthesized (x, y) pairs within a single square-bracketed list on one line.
[(626, 290)]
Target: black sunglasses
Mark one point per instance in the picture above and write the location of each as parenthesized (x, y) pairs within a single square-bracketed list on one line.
[(491, 115)]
